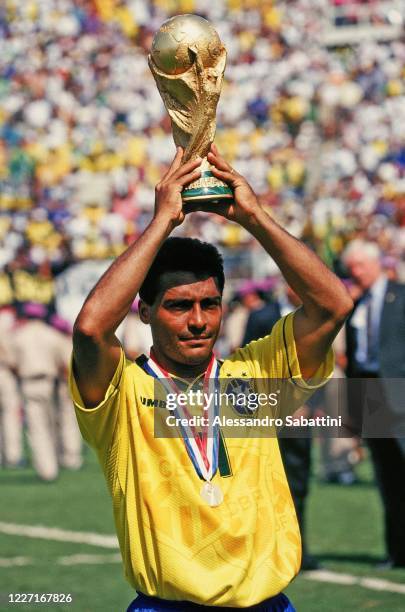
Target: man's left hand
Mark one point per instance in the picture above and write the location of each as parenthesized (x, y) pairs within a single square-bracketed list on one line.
[(245, 203)]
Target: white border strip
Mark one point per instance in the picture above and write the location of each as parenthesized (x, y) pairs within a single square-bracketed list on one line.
[(15, 561), (60, 535), (89, 559), (68, 560), (375, 584)]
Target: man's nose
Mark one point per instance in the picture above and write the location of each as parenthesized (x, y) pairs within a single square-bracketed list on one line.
[(196, 319)]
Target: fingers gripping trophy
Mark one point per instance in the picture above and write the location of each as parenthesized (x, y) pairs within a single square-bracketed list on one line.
[(188, 60)]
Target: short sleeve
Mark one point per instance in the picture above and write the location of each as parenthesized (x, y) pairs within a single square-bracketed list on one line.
[(325, 370), (273, 363), (275, 356), (98, 424)]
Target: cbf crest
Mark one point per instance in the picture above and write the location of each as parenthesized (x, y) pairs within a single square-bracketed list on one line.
[(237, 391)]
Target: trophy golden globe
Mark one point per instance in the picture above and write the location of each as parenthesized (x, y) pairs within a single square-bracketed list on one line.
[(188, 60)]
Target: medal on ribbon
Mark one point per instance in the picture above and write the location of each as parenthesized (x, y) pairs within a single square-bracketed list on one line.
[(202, 450)]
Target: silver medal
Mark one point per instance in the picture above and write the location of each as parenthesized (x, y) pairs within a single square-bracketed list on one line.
[(212, 494)]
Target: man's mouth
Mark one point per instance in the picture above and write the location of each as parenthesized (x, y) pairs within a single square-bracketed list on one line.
[(195, 339)]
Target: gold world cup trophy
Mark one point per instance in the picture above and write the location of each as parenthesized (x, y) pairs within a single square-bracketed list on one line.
[(188, 60)]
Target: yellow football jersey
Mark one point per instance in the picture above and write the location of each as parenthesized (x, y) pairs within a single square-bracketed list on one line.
[(174, 546)]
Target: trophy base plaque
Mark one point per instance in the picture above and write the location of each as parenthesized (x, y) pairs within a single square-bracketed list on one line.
[(206, 190)]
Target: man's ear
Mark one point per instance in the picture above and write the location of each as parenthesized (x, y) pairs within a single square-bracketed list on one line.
[(144, 312)]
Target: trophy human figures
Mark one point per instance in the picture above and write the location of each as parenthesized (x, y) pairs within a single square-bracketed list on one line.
[(188, 60)]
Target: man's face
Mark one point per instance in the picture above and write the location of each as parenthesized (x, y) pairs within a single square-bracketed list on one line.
[(185, 318), (363, 269)]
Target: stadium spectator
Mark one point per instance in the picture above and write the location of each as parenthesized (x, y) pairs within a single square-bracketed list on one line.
[(41, 354), (69, 441), (11, 439)]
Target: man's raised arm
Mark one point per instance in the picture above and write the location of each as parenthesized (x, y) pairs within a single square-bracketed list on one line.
[(325, 301), (96, 349)]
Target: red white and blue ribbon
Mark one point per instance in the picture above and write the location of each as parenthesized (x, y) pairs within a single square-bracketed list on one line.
[(202, 450)]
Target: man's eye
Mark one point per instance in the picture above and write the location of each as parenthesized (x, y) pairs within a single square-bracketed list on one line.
[(180, 306)]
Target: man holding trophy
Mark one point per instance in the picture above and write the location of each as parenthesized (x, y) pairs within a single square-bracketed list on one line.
[(202, 521)]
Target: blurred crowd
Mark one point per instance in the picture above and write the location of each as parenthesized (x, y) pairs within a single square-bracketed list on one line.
[(364, 12), (84, 136)]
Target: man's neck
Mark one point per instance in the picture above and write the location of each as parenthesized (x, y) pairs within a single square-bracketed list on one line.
[(181, 370)]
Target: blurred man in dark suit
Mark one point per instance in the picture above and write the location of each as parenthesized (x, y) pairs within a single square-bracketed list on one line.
[(376, 356)]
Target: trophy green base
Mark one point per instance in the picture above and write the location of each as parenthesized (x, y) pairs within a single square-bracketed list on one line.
[(205, 190)]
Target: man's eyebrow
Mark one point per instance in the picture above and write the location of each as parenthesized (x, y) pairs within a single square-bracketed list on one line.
[(179, 300), (187, 300)]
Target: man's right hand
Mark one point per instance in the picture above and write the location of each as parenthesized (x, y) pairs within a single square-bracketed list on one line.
[(168, 202), (96, 349)]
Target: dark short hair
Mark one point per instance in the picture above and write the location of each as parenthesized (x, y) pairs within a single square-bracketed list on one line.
[(183, 255)]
